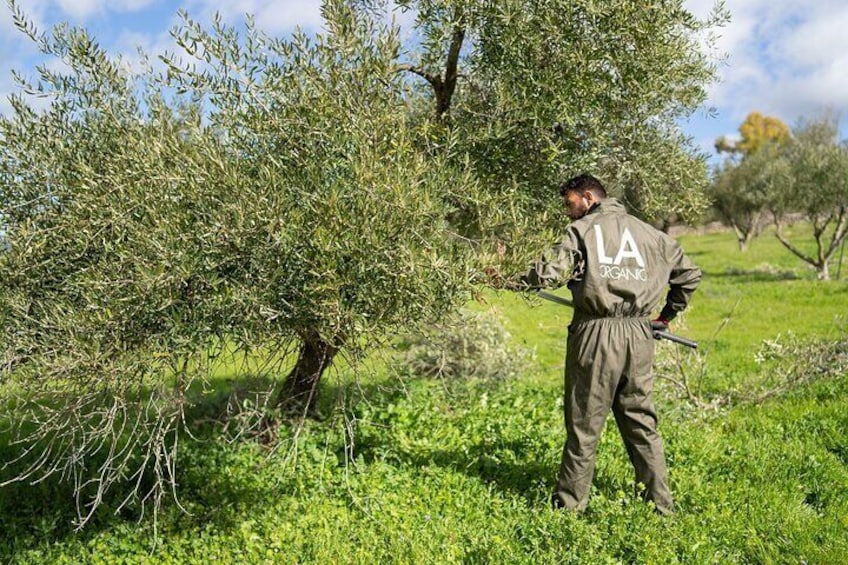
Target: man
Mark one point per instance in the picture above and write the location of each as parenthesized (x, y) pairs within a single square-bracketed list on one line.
[(617, 268)]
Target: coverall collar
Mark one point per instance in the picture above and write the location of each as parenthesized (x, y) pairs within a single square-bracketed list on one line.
[(608, 204)]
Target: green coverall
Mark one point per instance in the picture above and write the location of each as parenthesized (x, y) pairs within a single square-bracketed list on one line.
[(617, 268)]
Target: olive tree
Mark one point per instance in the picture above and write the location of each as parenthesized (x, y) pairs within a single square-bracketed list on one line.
[(263, 195), (535, 91), (309, 195), (817, 188), (743, 192), (744, 188), (805, 175)]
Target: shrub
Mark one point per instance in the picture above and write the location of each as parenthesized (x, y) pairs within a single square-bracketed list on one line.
[(466, 345)]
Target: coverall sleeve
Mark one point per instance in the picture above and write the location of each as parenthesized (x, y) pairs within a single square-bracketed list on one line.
[(683, 280), (556, 265)]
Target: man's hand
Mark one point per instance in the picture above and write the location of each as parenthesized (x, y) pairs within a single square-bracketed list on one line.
[(659, 325), (496, 280), (493, 277)]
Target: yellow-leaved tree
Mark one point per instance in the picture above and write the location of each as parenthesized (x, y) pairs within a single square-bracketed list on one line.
[(755, 132), (740, 191)]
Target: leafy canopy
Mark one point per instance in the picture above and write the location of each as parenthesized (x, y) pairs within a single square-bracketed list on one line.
[(281, 195), (548, 89)]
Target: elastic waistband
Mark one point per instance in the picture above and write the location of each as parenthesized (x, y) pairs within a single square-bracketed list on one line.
[(585, 318)]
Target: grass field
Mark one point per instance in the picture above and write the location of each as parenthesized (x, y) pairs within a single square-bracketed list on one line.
[(428, 471)]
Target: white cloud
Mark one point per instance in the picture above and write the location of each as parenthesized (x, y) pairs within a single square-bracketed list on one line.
[(15, 48), (16, 51), (33, 10), (6, 88), (784, 58), (7, 28), (80, 9), (281, 16), (272, 16), (128, 44), (701, 8), (19, 52), (815, 43), (83, 9)]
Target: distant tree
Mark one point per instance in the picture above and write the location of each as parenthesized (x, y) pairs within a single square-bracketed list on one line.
[(807, 174), (817, 187), (743, 186), (742, 192), (756, 132)]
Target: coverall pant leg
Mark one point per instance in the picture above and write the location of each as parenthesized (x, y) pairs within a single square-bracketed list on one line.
[(633, 408), (608, 366)]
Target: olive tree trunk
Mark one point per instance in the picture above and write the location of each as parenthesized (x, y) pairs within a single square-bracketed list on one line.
[(299, 393)]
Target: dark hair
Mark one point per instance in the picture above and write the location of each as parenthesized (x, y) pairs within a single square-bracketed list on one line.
[(582, 183)]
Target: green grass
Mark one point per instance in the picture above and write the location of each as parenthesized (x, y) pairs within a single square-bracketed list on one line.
[(460, 472), (762, 293)]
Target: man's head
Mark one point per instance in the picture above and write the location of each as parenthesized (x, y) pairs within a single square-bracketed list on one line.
[(580, 194)]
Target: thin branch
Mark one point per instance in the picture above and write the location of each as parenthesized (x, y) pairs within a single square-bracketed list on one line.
[(434, 80), (443, 87), (839, 231), (788, 245)]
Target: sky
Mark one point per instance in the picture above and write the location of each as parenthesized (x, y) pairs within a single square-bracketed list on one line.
[(783, 58)]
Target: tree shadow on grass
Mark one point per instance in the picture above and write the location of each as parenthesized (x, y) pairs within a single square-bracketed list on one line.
[(753, 275), (506, 467), (511, 465), (220, 482), (510, 468), (212, 484), (36, 513)]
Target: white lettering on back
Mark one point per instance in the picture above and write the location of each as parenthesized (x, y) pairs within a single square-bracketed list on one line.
[(603, 258), (628, 249)]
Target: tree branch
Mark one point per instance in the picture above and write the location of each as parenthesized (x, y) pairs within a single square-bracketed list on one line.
[(797, 252), (434, 80), (444, 101), (443, 87), (839, 231)]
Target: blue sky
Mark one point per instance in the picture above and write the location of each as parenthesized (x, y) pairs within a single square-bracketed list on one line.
[(786, 58)]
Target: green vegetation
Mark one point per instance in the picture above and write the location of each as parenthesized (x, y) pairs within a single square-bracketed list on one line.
[(780, 177), (763, 293), (449, 471), (313, 194), (175, 244)]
